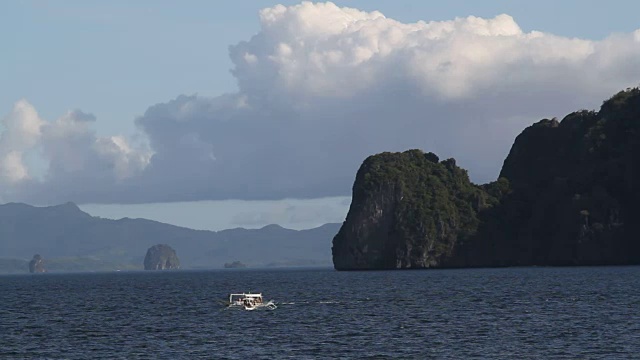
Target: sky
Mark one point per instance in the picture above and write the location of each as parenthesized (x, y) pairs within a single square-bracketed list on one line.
[(216, 115)]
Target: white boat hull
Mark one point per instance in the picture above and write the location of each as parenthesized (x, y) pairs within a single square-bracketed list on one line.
[(249, 301)]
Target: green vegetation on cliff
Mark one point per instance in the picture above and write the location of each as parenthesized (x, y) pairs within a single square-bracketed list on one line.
[(568, 194), (409, 205)]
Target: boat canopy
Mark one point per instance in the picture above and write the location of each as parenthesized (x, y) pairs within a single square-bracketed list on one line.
[(245, 295)]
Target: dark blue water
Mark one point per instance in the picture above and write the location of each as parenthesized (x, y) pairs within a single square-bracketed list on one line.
[(517, 313)]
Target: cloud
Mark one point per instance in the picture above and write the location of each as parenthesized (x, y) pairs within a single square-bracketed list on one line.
[(321, 87), (21, 132), (79, 164)]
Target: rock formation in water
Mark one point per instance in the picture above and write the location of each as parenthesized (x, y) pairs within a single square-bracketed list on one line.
[(234, 265), (161, 257), (408, 210), (36, 265), (568, 194)]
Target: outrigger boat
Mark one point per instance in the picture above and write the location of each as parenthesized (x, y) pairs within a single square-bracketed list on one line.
[(250, 301)]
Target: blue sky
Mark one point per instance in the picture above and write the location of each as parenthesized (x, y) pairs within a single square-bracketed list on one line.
[(115, 59)]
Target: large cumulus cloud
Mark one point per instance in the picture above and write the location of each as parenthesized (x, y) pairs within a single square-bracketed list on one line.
[(322, 87)]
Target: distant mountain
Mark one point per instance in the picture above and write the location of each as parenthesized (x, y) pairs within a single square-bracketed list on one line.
[(71, 240)]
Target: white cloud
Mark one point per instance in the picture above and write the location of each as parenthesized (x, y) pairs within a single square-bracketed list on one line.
[(127, 162), (321, 88), (325, 86), (21, 132), (13, 169), (78, 163)]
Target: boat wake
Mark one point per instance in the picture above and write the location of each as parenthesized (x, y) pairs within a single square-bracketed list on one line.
[(266, 306), (251, 302), (322, 302)]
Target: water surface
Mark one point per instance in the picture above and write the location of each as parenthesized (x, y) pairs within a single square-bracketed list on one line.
[(559, 313)]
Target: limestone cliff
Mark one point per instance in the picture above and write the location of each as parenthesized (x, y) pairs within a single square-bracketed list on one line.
[(36, 265), (575, 189), (408, 211), (568, 194), (161, 257)]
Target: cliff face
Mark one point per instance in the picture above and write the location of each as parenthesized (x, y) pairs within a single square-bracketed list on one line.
[(161, 257), (575, 188), (408, 211), (568, 194)]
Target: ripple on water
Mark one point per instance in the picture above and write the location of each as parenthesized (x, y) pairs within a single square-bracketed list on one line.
[(450, 314)]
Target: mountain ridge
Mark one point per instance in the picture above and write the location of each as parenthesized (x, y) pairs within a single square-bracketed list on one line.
[(64, 231)]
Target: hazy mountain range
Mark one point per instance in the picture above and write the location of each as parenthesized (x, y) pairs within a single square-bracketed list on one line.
[(72, 240)]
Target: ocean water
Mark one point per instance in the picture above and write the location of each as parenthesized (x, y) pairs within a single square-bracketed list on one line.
[(511, 313)]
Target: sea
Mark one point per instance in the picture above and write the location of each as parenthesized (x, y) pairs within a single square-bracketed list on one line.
[(507, 313)]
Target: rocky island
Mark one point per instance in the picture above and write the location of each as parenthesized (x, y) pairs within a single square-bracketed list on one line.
[(161, 257), (36, 265), (234, 265), (567, 194)]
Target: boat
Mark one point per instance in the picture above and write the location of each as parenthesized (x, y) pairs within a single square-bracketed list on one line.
[(249, 301)]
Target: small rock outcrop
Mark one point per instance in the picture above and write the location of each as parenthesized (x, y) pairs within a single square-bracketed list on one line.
[(161, 257), (234, 265), (36, 265)]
